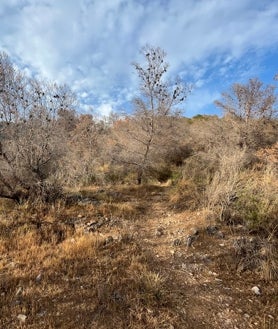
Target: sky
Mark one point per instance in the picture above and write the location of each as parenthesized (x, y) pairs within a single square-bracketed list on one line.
[(90, 45)]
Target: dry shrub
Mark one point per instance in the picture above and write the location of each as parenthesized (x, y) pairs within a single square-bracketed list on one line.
[(195, 176), (221, 192), (237, 193), (186, 195), (250, 197), (257, 254), (6, 204), (47, 191), (269, 260), (257, 200), (209, 179), (268, 155), (118, 174), (200, 168)]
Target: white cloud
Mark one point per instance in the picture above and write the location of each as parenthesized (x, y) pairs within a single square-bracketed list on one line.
[(200, 100), (104, 109), (90, 44)]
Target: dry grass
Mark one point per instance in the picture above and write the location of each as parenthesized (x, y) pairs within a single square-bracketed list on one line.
[(257, 202), (122, 276), (186, 195), (101, 282), (60, 270), (221, 191)]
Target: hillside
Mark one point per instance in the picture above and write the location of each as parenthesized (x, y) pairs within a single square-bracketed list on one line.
[(127, 257), (144, 219)]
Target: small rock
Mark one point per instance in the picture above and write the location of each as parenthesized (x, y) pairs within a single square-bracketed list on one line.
[(212, 230), (39, 278), (22, 317), (256, 290), (195, 231), (41, 314), (220, 235), (109, 239), (126, 237), (212, 273), (177, 242), (189, 240), (205, 258), (159, 232), (17, 302), (178, 254), (117, 297)]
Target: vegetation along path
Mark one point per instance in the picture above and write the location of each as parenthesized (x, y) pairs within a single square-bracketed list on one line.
[(127, 258)]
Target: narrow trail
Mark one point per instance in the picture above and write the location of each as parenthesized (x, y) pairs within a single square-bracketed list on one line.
[(201, 276)]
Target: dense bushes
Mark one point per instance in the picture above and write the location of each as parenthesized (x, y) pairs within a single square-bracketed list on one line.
[(236, 183)]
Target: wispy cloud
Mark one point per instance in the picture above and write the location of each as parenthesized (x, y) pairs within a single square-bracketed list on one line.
[(90, 44)]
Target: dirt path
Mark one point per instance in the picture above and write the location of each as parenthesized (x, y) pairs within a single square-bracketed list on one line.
[(202, 276)]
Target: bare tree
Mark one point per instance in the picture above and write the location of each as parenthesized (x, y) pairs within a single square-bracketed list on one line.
[(251, 108), (31, 141), (249, 101), (144, 136)]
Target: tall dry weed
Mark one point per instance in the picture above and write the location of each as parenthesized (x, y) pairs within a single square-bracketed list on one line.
[(257, 202), (222, 189)]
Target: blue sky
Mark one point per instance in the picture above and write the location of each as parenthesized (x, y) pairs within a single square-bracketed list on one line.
[(90, 44)]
